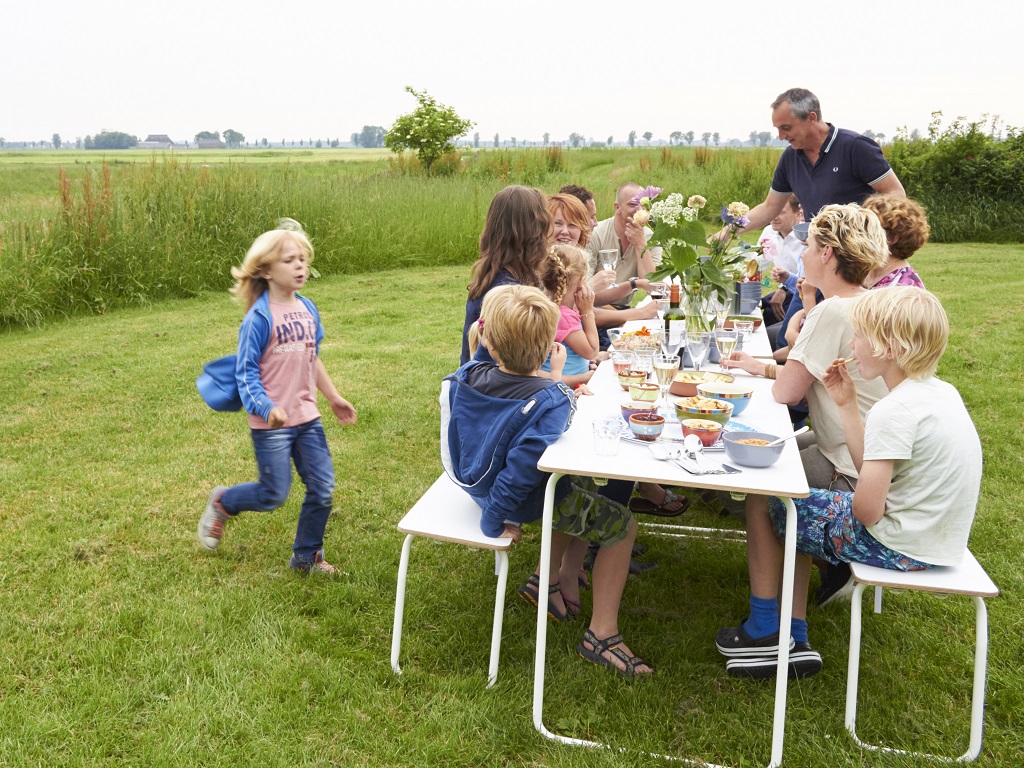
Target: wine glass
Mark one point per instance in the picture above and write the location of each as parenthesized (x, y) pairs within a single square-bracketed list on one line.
[(699, 344), (673, 336), (722, 309), (643, 360), (608, 258), (665, 368), (726, 342)]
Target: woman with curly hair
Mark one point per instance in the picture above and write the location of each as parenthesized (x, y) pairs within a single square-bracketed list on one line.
[(906, 230)]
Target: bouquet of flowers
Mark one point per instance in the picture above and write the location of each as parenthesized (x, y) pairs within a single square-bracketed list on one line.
[(703, 266)]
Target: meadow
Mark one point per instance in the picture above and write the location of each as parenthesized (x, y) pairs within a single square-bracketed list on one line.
[(123, 643)]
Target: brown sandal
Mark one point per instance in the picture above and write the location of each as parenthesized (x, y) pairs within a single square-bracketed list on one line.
[(642, 506)]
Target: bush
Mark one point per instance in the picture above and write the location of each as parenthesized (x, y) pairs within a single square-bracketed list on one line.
[(971, 182)]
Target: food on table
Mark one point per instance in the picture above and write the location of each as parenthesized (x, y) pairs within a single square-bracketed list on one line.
[(753, 441), (702, 403)]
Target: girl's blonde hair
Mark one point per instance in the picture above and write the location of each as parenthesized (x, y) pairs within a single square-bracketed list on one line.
[(562, 264), (856, 237), (250, 279), (906, 321), (517, 326)]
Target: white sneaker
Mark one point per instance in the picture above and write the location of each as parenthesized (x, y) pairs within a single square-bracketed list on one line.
[(211, 524)]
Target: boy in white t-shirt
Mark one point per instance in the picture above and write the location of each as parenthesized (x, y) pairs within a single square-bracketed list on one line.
[(919, 464)]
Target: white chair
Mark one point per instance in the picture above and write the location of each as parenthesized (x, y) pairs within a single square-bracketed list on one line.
[(968, 578), (447, 513)]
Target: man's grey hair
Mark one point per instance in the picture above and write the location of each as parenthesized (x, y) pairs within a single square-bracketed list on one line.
[(801, 103)]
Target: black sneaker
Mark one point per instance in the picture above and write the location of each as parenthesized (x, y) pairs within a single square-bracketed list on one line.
[(836, 584), (734, 642), (804, 661)]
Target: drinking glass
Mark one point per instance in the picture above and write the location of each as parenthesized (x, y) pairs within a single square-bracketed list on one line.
[(744, 328), (643, 360), (699, 344), (607, 432), (672, 337), (665, 368), (622, 360), (722, 310), (608, 258)]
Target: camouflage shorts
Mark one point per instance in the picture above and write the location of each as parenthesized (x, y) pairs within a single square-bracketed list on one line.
[(585, 514)]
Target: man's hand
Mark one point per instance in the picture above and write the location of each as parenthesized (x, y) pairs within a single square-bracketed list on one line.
[(777, 302), (602, 280), (779, 275), (635, 235)]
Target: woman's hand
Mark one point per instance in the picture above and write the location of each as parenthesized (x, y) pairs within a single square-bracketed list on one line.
[(584, 299), (744, 362), (840, 385)]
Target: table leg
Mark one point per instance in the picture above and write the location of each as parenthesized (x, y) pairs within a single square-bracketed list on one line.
[(542, 604), (785, 618)]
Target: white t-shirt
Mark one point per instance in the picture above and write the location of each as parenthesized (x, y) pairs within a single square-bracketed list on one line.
[(925, 429), (826, 336), (787, 250), (603, 238)]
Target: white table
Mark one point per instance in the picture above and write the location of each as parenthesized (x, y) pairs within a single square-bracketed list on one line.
[(573, 454)]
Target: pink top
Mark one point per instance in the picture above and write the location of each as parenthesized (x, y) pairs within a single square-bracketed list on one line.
[(568, 321), (288, 365), (902, 276)]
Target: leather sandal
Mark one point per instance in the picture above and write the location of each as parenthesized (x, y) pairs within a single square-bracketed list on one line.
[(530, 592), (612, 645), (642, 506)]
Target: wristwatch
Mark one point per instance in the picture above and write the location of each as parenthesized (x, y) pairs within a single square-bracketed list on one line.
[(632, 283)]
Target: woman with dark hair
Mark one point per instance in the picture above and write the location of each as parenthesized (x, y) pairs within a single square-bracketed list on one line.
[(516, 237)]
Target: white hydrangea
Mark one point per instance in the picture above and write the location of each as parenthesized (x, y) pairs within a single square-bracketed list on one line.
[(669, 210)]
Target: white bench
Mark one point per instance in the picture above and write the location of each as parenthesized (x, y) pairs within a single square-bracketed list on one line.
[(447, 513), (968, 578)]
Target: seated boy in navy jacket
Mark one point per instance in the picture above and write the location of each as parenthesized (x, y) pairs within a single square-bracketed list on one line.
[(496, 421)]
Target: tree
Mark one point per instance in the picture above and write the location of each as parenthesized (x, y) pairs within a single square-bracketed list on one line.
[(575, 139), (3, 142), (706, 137), (647, 137), (632, 138), (496, 141), (372, 136), (111, 140), (335, 143), (233, 138), (428, 130), (319, 144), (208, 136), (355, 139), (753, 138), (609, 142), (915, 135), (476, 140), (764, 137), (689, 137), (715, 137), (675, 137), (547, 139), (880, 137), (263, 142), (513, 140), (55, 141)]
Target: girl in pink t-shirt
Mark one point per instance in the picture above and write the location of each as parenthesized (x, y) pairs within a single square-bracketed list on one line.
[(563, 276), (278, 372)]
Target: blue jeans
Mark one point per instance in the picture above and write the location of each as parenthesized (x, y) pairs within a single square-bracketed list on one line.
[(306, 445)]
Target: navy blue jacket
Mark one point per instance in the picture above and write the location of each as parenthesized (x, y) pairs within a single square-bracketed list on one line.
[(490, 446)]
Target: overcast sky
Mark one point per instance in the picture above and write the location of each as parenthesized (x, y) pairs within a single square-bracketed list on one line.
[(319, 69)]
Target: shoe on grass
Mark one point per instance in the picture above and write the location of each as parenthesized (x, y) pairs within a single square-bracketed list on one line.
[(836, 584), (211, 524), (318, 565), (734, 642), (804, 661)]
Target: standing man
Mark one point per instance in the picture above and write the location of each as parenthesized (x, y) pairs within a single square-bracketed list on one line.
[(621, 233), (823, 165)]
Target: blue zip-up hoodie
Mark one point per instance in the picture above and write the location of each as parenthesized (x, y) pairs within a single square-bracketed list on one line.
[(253, 336), (490, 446)]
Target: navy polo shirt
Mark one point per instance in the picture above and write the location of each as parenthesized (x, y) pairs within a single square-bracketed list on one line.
[(847, 166)]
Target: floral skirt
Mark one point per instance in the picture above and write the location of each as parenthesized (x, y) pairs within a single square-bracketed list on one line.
[(826, 528)]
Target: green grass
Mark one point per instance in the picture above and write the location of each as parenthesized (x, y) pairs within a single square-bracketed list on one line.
[(125, 644)]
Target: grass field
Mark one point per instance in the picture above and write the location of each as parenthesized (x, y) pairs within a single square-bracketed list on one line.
[(125, 644)]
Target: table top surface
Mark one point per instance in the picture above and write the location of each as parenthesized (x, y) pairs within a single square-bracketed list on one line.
[(574, 453)]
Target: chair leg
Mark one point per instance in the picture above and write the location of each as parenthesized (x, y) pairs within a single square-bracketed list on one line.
[(396, 632), (499, 612), (878, 599)]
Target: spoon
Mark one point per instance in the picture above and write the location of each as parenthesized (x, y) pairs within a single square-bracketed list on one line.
[(662, 453), (787, 437)]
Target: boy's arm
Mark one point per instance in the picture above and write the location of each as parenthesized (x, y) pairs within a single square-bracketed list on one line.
[(341, 407), (873, 481)]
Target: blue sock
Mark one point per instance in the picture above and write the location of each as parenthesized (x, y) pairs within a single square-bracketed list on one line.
[(764, 617), (798, 629)]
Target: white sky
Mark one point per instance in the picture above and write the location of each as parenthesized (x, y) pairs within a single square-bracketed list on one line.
[(323, 69)]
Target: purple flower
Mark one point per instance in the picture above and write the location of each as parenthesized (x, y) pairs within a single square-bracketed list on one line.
[(650, 193), (726, 218), (742, 221)]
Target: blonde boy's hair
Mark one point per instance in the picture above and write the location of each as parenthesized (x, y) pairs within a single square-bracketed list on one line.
[(907, 322), (250, 282), (856, 237), (562, 263), (518, 327)]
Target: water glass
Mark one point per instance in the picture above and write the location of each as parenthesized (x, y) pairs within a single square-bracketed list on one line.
[(745, 328), (622, 360), (643, 360), (607, 432)]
